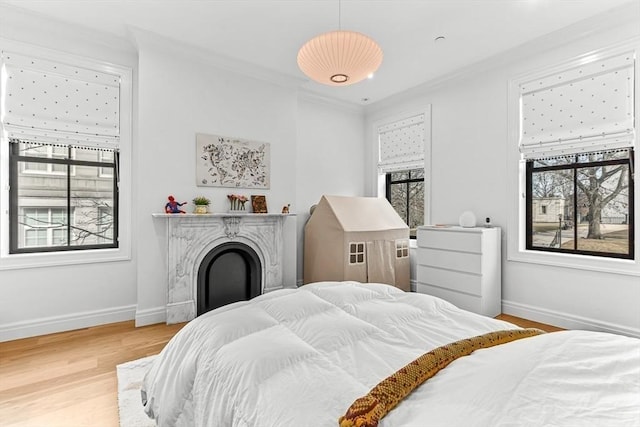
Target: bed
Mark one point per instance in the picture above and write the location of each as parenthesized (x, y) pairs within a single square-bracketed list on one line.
[(301, 357)]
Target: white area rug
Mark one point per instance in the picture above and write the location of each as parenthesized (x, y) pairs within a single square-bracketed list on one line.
[(130, 408)]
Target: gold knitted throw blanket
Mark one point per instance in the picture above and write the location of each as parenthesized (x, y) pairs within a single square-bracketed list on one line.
[(368, 410)]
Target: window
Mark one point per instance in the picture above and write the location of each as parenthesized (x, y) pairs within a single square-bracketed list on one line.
[(574, 131), (405, 192), (105, 157), (404, 149), (62, 211), (356, 253), (42, 227), (45, 151), (65, 127), (586, 203), (106, 224), (402, 248)]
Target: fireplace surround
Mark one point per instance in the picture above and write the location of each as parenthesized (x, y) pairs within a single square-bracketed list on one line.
[(191, 237)]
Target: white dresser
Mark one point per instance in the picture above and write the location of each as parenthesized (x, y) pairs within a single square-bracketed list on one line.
[(462, 266)]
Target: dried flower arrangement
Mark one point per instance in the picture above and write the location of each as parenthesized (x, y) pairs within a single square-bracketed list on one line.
[(237, 201)]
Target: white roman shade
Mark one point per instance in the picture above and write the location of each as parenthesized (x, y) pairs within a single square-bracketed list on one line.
[(401, 144), (55, 103), (588, 106)]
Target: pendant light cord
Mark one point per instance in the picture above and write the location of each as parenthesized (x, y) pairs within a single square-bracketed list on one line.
[(339, 15)]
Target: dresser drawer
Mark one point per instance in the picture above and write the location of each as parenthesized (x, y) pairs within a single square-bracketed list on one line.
[(463, 301), (460, 265), (467, 283), (456, 261), (464, 241)]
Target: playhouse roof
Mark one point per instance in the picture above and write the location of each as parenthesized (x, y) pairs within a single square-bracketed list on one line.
[(359, 214)]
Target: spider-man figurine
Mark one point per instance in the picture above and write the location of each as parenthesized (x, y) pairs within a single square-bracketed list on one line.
[(173, 207)]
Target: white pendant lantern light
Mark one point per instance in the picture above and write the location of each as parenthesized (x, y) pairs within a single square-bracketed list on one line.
[(339, 58)]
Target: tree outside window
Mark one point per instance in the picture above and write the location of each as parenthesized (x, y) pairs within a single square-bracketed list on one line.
[(405, 192), (582, 204)]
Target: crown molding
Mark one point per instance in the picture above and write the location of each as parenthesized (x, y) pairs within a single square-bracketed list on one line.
[(143, 39), (32, 28), (317, 98)]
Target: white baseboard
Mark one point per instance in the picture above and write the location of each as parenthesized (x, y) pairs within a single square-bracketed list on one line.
[(151, 316), (564, 320), (67, 322)]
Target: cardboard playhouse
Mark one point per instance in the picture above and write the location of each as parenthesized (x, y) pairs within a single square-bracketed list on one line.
[(356, 238)]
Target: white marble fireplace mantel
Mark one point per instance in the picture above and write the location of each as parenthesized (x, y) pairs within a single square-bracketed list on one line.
[(190, 237)]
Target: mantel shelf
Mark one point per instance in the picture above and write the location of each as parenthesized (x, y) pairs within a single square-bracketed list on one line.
[(217, 215)]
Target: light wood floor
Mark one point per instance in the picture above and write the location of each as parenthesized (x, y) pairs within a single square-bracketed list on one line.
[(69, 379)]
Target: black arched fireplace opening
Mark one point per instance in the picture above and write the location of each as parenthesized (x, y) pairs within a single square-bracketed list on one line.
[(230, 272)]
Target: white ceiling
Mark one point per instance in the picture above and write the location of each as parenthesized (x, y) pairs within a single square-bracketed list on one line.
[(269, 33)]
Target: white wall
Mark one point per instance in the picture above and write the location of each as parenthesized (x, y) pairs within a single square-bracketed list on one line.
[(470, 172), (330, 157), (48, 299), (181, 94), (316, 148)]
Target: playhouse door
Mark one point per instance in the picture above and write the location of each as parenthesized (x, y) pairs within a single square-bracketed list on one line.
[(380, 265)]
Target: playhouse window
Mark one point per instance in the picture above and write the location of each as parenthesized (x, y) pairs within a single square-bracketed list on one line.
[(402, 248), (356, 253)]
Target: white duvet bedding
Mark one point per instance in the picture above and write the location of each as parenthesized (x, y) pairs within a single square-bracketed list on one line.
[(300, 357)]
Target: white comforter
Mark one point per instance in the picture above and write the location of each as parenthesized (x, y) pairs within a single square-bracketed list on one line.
[(300, 357)]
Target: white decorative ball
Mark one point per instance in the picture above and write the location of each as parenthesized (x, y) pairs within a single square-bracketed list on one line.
[(467, 219)]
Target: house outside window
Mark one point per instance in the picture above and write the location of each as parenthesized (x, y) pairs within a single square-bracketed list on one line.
[(590, 204), (84, 201)]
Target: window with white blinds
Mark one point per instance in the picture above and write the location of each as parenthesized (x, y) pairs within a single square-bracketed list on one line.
[(65, 130), (584, 107), (403, 148), (401, 144), (573, 131), (51, 102)]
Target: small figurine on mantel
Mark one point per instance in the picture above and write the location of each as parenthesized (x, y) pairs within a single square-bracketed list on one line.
[(173, 207), (285, 208)]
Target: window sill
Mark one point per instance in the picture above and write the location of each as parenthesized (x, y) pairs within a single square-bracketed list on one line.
[(56, 259), (579, 262)]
